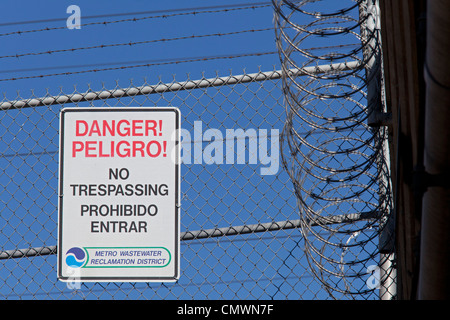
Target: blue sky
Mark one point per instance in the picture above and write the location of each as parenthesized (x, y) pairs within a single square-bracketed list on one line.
[(150, 29), (243, 195), (211, 268)]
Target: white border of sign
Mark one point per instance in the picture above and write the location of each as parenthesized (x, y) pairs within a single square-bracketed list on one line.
[(176, 160)]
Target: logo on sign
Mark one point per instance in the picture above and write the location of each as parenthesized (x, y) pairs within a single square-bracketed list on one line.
[(75, 257)]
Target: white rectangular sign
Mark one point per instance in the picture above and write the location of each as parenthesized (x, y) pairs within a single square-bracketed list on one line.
[(119, 189)]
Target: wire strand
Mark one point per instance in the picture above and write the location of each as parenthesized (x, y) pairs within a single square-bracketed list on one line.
[(102, 46), (134, 19), (197, 59)]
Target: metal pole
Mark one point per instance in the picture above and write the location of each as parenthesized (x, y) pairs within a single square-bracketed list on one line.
[(217, 232), (370, 14), (173, 87)]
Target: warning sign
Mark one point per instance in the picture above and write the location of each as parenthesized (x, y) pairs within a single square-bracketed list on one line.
[(119, 183)]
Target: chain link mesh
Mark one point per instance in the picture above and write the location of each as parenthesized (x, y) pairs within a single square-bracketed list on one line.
[(241, 237)]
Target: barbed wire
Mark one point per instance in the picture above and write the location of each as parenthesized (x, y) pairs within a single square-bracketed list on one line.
[(133, 43), (136, 62), (200, 10), (160, 63)]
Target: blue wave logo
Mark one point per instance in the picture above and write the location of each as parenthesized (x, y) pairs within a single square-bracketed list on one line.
[(75, 257)]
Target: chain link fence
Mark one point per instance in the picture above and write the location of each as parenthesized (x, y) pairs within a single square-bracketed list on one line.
[(240, 229)]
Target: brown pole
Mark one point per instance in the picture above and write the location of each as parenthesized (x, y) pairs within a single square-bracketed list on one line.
[(434, 274)]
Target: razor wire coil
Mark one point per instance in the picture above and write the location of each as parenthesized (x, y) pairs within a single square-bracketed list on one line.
[(334, 158)]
